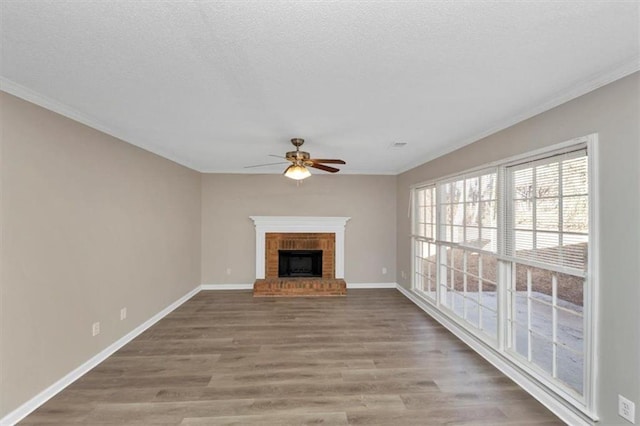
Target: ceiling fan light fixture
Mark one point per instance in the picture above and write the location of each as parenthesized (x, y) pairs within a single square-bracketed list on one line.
[(297, 172)]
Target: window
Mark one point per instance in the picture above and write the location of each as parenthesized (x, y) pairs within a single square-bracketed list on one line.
[(468, 239), (469, 211), (504, 251), (424, 248), (425, 267), (468, 287), (549, 211), (547, 236), (426, 212)]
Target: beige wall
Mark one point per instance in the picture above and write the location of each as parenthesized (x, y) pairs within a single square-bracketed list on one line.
[(228, 235), (90, 225), (613, 112)]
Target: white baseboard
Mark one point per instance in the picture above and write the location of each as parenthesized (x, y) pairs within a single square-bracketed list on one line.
[(548, 400), (250, 286), (226, 287), (370, 285), (553, 403), (28, 407)]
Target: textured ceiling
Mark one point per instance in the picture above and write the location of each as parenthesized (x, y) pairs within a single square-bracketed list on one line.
[(219, 85)]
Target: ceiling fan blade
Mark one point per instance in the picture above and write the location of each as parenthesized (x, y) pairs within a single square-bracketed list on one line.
[(325, 168), (263, 165), (277, 156), (316, 160)]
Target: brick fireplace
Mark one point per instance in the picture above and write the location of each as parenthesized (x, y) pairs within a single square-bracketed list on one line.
[(275, 242), (275, 234)]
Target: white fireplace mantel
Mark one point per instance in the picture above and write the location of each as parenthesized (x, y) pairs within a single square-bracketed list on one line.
[(297, 224)]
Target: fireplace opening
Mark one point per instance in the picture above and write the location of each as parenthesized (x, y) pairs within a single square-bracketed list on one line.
[(300, 263)]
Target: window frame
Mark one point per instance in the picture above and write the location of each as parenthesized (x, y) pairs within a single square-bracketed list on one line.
[(465, 177), (416, 237), (510, 228), (585, 402)]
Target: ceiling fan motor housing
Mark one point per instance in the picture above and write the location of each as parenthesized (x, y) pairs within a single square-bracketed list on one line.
[(297, 156)]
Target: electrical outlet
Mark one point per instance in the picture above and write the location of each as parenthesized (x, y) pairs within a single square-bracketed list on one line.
[(626, 409), (95, 329), (384, 271), (123, 313), (228, 271)]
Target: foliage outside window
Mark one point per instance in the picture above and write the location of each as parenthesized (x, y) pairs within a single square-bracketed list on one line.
[(504, 252), (548, 236)]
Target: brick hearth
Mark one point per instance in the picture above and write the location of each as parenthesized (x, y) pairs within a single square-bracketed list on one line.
[(292, 287)]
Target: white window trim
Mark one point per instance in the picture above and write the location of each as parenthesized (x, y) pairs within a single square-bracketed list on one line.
[(591, 302), (587, 403)]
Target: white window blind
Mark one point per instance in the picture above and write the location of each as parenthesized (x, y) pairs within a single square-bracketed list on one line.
[(548, 211)]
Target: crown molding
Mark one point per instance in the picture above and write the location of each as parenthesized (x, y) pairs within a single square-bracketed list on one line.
[(29, 95), (36, 98), (588, 85), (268, 171), (15, 89)]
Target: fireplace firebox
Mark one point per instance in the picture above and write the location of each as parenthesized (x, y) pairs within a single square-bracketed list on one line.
[(299, 263)]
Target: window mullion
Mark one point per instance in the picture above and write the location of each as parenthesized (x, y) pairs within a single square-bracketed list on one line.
[(529, 320), (440, 293), (534, 213), (464, 210), (560, 214), (464, 283), (503, 193), (554, 322), (479, 279), (503, 304)]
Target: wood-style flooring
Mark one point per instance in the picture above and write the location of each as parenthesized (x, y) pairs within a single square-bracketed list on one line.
[(226, 358)]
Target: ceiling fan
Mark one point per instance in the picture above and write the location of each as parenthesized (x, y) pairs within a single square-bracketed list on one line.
[(300, 160)]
